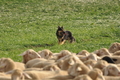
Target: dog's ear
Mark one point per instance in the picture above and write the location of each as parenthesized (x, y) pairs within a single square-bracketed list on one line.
[(58, 26), (62, 27)]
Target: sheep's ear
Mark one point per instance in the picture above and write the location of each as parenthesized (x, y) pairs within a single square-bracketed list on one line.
[(22, 54), (71, 62), (79, 69), (105, 71), (26, 75), (90, 67), (51, 69), (58, 27)]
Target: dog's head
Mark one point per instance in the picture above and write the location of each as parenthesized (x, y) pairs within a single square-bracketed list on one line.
[(60, 30)]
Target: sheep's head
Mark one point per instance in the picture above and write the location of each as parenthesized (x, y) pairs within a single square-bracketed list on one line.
[(29, 54), (92, 56), (6, 64), (102, 51), (96, 74), (18, 74), (66, 63), (112, 70), (63, 53), (114, 47), (101, 64), (69, 61), (90, 63), (83, 52), (2, 64), (46, 53), (78, 69)]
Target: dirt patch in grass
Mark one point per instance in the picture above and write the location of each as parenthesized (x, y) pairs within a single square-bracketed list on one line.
[(37, 45)]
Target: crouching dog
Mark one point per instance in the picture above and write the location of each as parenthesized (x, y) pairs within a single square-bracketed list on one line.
[(63, 35)]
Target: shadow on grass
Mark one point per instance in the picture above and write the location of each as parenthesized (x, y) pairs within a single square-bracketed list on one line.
[(38, 45)]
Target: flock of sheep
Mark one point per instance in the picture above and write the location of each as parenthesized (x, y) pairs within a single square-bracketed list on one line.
[(102, 64)]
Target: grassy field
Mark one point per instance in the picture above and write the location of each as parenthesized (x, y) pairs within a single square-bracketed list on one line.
[(32, 24)]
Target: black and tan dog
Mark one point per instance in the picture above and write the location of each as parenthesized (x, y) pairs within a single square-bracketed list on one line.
[(64, 35)]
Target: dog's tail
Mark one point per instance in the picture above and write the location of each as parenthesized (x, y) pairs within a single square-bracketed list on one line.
[(72, 39)]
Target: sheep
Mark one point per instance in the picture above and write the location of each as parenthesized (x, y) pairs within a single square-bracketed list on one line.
[(63, 53), (116, 59), (84, 52), (96, 74), (101, 64), (7, 64), (102, 52), (70, 60), (51, 67), (90, 56), (117, 53), (18, 74), (34, 61), (90, 63), (108, 59), (114, 47), (39, 75), (29, 55), (78, 69), (46, 53), (111, 70), (42, 64), (54, 67)]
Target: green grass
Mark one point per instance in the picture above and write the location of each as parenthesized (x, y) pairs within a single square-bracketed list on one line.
[(32, 24)]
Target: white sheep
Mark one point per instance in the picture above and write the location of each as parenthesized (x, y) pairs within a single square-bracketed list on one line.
[(114, 47), (46, 53), (29, 55), (51, 67), (78, 69), (39, 75), (63, 53), (42, 64), (90, 63), (7, 64), (83, 52), (54, 67), (111, 70), (65, 63), (96, 74), (102, 52), (90, 56), (30, 63), (101, 64)]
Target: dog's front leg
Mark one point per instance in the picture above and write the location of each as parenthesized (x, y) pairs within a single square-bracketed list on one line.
[(59, 41), (63, 41)]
